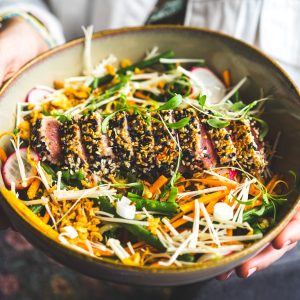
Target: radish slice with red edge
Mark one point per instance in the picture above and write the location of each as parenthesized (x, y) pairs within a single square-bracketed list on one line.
[(209, 85), (39, 94), (11, 172)]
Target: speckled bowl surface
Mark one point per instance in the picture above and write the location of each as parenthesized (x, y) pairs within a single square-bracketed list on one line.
[(220, 52)]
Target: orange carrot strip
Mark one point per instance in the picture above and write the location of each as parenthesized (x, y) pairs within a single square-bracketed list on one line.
[(141, 95), (271, 182), (210, 206), (96, 251), (161, 181), (214, 182), (181, 189), (204, 199), (229, 232), (226, 78), (3, 156), (46, 218), (178, 216), (32, 190)]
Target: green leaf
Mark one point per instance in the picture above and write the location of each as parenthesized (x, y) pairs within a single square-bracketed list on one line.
[(106, 121), (238, 106), (245, 202), (180, 124), (172, 103), (216, 123), (16, 131), (202, 100)]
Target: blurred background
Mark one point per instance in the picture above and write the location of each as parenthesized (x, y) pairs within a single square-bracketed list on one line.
[(25, 272)]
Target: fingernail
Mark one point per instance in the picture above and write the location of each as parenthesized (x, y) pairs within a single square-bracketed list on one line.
[(251, 271), (228, 275), (286, 243)]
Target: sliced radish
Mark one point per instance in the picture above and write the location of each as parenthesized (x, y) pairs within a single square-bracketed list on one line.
[(39, 94), (207, 83), (11, 172)]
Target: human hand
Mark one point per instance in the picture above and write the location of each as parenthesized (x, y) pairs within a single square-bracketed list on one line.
[(19, 43), (283, 243)]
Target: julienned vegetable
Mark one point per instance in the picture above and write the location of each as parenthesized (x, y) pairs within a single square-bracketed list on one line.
[(145, 164)]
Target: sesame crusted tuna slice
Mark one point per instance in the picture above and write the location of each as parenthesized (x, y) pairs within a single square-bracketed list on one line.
[(96, 144), (120, 140), (140, 130), (250, 150), (73, 151), (197, 152), (45, 140), (166, 150), (222, 142)]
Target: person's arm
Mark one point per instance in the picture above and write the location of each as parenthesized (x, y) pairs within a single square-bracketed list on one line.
[(27, 29)]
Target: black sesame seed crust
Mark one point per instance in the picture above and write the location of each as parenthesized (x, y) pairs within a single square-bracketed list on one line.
[(250, 152), (100, 155), (222, 142), (38, 142), (120, 141), (165, 149), (142, 140), (189, 137), (72, 148)]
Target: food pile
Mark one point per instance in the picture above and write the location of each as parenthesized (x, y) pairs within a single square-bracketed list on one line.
[(156, 163)]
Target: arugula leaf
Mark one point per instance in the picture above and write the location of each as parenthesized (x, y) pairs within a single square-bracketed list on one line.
[(216, 123), (180, 124), (202, 100), (171, 104), (237, 106)]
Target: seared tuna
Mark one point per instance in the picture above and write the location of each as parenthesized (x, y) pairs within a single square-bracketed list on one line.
[(120, 140), (45, 140), (96, 144), (250, 151), (73, 151)]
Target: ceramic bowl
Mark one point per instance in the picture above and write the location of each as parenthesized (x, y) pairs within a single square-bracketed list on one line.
[(220, 52)]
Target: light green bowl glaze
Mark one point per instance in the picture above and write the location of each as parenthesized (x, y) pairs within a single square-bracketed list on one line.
[(220, 52)]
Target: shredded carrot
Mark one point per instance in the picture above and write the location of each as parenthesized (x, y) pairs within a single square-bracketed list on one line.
[(180, 222), (214, 182), (210, 206), (204, 199), (138, 244), (181, 189), (226, 78), (271, 182), (141, 95), (32, 190), (96, 251), (276, 183), (229, 232), (46, 218), (3, 156), (177, 217), (161, 181)]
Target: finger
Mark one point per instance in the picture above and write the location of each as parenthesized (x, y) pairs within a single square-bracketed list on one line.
[(225, 275), (288, 236), (261, 261)]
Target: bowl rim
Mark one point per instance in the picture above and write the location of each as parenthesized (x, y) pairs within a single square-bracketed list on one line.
[(251, 250)]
